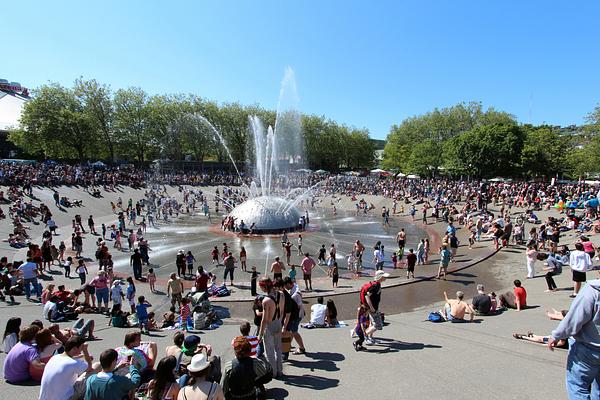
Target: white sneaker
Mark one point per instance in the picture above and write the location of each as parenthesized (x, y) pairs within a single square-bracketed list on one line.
[(352, 333), (369, 341), (374, 341)]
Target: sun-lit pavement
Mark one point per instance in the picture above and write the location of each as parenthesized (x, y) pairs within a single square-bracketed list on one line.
[(415, 358)]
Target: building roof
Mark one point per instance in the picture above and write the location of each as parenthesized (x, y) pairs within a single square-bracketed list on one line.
[(11, 106)]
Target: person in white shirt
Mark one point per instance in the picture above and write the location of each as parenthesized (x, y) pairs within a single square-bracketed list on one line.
[(379, 258), (318, 312), (62, 370), (116, 292), (580, 262)]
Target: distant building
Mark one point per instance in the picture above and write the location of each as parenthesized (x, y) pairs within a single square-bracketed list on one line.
[(12, 99)]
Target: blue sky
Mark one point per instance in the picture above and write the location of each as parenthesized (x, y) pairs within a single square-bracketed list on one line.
[(366, 64)]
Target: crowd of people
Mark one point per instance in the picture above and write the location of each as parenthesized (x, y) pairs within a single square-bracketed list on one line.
[(48, 353)]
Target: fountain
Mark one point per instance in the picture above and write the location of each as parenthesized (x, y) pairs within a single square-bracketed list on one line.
[(276, 151)]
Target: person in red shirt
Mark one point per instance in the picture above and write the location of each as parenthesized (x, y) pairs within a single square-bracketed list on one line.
[(201, 282), (517, 299)]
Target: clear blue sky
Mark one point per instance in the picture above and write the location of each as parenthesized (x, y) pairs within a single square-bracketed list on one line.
[(364, 63)]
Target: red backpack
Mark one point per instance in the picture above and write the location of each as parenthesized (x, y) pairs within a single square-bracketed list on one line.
[(363, 292)]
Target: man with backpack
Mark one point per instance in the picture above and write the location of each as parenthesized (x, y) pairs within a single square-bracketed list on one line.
[(370, 296)]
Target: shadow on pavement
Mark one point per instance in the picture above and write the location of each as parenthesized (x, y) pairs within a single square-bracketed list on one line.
[(311, 381), (322, 355), (277, 393), (324, 365), (393, 346)]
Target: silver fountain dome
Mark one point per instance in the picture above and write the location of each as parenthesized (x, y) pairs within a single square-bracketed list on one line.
[(270, 214)]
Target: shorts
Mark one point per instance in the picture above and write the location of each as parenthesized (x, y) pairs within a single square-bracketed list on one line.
[(278, 275), (579, 276), (400, 243), (306, 277), (293, 325), (102, 295), (411, 268)]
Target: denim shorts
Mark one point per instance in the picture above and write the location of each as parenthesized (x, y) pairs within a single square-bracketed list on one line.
[(293, 325), (102, 295)]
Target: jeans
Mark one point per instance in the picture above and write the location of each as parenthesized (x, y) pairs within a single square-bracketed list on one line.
[(583, 371), (137, 271), (102, 296), (36, 287), (272, 343), (83, 327)]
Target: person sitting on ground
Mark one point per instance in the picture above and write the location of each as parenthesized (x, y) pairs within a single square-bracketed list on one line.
[(144, 353), (482, 302), (244, 377), (164, 386), (455, 309), (318, 312), (109, 384), (62, 372), (169, 318), (178, 338), (199, 388), (11, 334), (46, 346), (21, 356), (517, 299), (331, 317), (118, 318), (190, 347)]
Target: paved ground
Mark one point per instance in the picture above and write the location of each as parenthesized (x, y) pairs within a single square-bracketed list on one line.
[(416, 358)]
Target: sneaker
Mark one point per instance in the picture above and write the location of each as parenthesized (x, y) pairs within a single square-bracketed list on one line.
[(375, 341), (369, 341), (352, 333)]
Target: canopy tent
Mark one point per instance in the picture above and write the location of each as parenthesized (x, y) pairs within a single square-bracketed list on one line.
[(400, 175), (98, 164), (304, 170), (378, 171), (411, 176), (352, 173), (321, 171)]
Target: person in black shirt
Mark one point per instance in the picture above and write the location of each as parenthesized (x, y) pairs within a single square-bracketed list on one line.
[(136, 263), (482, 303)]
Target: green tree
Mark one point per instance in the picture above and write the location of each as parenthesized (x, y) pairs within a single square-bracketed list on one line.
[(133, 123), (98, 106), (488, 150), (54, 124), (544, 151)]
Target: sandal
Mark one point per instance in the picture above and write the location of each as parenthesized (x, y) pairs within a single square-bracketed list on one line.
[(300, 351)]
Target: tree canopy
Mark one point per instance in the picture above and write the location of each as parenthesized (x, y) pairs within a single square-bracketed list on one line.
[(91, 121)]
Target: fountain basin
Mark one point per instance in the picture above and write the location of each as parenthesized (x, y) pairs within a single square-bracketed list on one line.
[(270, 214)]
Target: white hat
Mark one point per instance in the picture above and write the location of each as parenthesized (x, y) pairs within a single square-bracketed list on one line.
[(198, 363), (380, 274)]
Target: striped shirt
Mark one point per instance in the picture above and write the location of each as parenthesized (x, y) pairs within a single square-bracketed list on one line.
[(254, 343)]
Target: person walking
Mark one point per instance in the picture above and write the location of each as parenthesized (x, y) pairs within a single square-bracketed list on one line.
[(180, 263), (370, 296), (136, 262), (175, 289), (229, 263), (308, 264), (582, 324)]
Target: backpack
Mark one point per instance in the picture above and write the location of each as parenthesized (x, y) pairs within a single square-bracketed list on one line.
[(363, 291), (435, 317)]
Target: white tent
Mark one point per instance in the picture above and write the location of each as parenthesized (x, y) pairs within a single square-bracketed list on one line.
[(321, 171), (401, 175), (411, 176), (378, 171)]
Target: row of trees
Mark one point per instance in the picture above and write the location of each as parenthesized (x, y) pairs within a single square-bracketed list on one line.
[(90, 121), (467, 140)]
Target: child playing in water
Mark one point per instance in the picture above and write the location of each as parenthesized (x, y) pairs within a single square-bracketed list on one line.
[(151, 278), (394, 260), (292, 272), (334, 275)]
